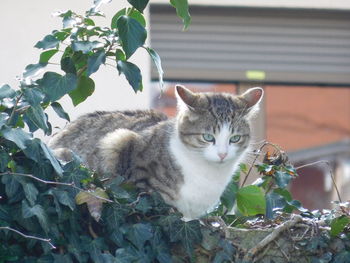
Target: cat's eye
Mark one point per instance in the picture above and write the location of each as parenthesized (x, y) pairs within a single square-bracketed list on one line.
[(235, 138), (208, 137)]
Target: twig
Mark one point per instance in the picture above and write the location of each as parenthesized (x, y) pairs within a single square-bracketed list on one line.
[(330, 172), (27, 236), (252, 165), (271, 237), (59, 183)]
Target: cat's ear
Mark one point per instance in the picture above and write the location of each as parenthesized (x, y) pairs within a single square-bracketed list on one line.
[(253, 97), (186, 98)]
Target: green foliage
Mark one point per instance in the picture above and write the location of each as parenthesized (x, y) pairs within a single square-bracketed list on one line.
[(55, 212)]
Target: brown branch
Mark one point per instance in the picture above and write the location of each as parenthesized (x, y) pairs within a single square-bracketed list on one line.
[(330, 172), (28, 236), (271, 237), (59, 183)]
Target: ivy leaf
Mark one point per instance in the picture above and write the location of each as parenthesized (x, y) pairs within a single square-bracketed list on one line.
[(84, 89), (49, 41), (56, 86), (139, 233), (140, 5), (251, 200), (131, 254), (68, 66), (95, 61), (189, 234), (38, 117), (33, 96), (30, 192), (33, 69), (228, 197), (36, 211), (274, 202), (94, 203), (131, 33), (156, 60), (338, 224), (60, 111), (64, 198), (6, 92), (282, 179), (131, 13), (16, 135), (132, 74), (182, 11), (4, 160), (12, 186), (47, 55), (86, 46)]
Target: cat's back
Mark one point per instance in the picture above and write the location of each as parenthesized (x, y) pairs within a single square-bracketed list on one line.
[(89, 128)]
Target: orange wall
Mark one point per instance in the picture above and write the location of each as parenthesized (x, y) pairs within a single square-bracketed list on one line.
[(302, 117)]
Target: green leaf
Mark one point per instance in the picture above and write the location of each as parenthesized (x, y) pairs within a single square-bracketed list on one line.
[(189, 234), (51, 158), (251, 200), (47, 55), (228, 197), (30, 192), (139, 233), (86, 46), (16, 135), (38, 117), (36, 211), (156, 60), (56, 86), (68, 65), (132, 74), (140, 5), (85, 88), (95, 61), (12, 186), (6, 92), (338, 224), (60, 111), (282, 179), (33, 96), (182, 11), (3, 118), (131, 33), (33, 69), (64, 198), (4, 160), (132, 13), (49, 41), (274, 203)]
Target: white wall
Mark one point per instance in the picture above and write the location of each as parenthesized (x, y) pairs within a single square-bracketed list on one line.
[(318, 4), (24, 22)]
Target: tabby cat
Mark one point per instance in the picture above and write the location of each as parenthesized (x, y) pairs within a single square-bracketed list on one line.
[(189, 160)]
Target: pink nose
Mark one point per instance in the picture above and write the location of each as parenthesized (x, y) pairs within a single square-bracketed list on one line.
[(222, 155)]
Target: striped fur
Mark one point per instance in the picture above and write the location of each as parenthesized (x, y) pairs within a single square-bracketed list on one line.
[(167, 155)]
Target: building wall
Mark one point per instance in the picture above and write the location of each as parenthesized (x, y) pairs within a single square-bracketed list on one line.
[(313, 4), (299, 117), (26, 22)]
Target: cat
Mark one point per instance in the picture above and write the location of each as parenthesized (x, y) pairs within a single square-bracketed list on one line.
[(189, 159)]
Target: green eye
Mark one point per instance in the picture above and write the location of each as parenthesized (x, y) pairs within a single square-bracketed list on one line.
[(208, 137), (235, 138)]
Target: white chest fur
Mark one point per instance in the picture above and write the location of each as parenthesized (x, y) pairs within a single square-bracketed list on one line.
[(204, 181)]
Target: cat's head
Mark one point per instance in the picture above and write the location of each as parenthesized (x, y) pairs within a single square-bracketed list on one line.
[(216, 125)]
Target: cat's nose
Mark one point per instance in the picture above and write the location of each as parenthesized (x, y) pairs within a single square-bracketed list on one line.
[(222, 156)]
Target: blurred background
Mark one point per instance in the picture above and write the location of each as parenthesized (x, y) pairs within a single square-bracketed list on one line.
[(297, 50)]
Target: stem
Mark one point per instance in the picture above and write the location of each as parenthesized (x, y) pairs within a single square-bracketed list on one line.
[(330, 172), (256, 157), (27, 236), (59, 183), (15, 108)]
